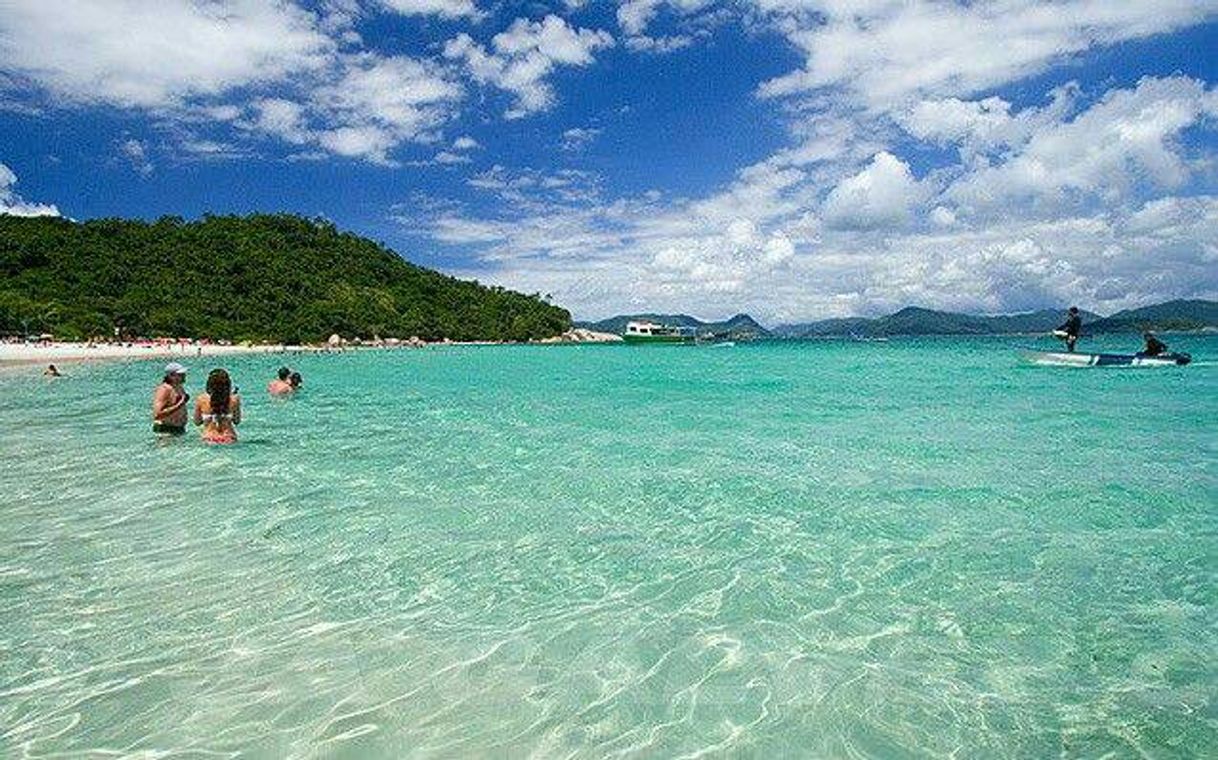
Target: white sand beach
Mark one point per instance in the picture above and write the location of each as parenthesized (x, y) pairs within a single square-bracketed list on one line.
[(48, 353)]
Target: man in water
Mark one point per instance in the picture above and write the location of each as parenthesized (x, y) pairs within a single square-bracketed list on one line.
[(1069, 331), (52, 371), (169, 402), (281, 386), (1154, 346)]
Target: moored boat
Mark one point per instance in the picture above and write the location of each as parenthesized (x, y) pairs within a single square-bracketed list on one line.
[(650, 332)]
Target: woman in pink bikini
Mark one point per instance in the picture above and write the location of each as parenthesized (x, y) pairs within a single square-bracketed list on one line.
[(219, 409)]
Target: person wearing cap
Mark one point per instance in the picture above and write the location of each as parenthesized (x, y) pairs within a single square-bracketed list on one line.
[(280, 386), (169, 402), (1070, 330)]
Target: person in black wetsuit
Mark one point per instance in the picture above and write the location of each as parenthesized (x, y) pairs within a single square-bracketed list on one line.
[(1154, 346), (1071, 328)]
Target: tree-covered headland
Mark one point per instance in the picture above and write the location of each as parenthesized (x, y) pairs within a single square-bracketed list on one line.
[(262, 277)]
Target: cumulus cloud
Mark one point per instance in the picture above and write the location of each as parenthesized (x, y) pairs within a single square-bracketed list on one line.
[(1124, 142), (520, 58), (605, 260), (885, 193), (449, 9), (280, 68), (374, 105), (13, 204), (980, 127), (156, 53), (837, 225), (886, 54)]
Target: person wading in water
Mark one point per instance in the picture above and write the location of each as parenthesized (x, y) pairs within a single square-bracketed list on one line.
[(169, 402), (219, 409)]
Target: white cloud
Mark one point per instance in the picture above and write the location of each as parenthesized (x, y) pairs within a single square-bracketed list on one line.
[(885, 193), (522, 56), (634, 16), (645, 44), (943, 216), (449, 158), (1124, 142), (156, 53), (136, 152), (283, 118), (373, 106), (13, 204), (578, 138), (886, 54), (465, 143), (774, 243), (271, 68), (450, 9), (605, 261)]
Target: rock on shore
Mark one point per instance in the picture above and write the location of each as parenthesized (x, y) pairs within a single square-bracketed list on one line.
[(583, 335)]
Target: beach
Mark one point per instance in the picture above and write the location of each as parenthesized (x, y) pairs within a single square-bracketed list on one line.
[(63, 352), (73, 352), (907, 549)]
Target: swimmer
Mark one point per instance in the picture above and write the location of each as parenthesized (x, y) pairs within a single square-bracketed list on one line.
[(218, 410), (52, 371), (280, 386), (295, 380), (169, 402)]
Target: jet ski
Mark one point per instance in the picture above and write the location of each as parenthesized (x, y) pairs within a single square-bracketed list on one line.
[(1081, 359)]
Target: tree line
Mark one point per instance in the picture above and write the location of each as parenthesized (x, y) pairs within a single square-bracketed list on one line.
[(264, 277)]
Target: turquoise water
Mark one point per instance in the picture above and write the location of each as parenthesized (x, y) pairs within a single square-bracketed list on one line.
[(904, 549)]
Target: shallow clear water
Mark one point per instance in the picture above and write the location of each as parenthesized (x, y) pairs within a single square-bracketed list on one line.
[(904, 549)]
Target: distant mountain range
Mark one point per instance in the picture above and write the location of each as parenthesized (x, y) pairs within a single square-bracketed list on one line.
[(916, 321), (1173, 315), (739, 327)]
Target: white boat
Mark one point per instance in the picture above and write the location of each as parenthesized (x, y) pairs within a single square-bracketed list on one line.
[(650, 332), (1080, 359)]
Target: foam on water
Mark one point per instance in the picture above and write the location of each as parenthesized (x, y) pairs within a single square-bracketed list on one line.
[(912, 548)]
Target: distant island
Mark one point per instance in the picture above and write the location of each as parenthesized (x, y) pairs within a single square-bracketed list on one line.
[(1182, 315), (278, 278)]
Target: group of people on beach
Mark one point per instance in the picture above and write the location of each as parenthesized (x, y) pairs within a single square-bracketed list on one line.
[(217, 411)]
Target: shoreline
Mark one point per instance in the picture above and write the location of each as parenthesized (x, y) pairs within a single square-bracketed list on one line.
[(18, 354)]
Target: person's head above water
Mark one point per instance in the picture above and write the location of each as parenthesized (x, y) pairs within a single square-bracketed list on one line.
[(219, 390), (1074, 310), (296, 380), (174, 372), (284, 373)]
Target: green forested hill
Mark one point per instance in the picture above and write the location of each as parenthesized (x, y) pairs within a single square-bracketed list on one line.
[(261, 277)]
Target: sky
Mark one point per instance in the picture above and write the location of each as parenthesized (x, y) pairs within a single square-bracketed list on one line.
[(793, 159)]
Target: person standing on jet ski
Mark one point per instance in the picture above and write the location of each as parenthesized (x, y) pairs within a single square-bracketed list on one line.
[(1069, 331), (1154, 346)]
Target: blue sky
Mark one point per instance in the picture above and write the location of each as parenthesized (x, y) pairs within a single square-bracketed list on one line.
[(795, 159)]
